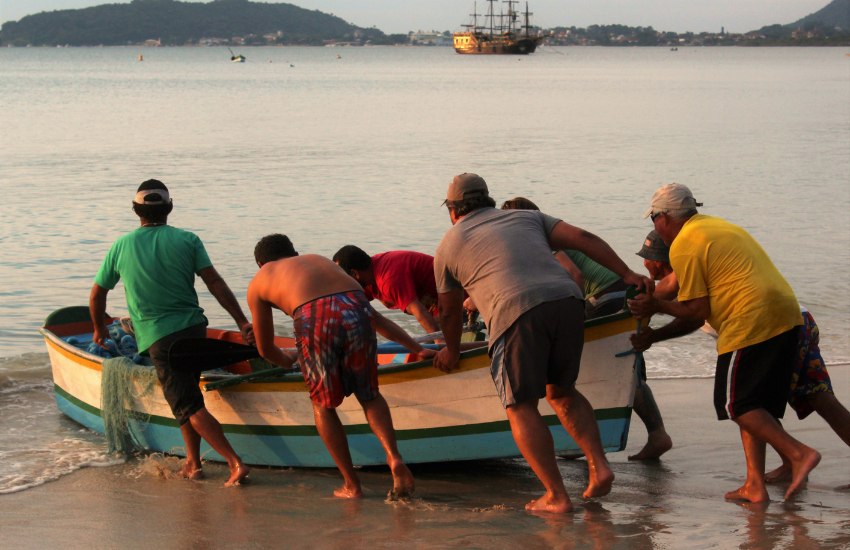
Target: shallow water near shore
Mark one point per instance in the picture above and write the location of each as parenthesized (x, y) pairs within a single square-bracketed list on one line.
[(359, 150)]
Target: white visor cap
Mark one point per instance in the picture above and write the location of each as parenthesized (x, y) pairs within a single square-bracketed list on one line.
[(152, 196)]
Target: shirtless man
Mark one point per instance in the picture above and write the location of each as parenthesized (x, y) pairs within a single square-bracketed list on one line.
[(331, 314)]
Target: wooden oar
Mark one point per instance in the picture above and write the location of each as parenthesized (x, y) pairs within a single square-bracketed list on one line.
[(241, 379)]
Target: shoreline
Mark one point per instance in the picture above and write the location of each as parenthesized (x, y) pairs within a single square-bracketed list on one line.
[(675, 502)]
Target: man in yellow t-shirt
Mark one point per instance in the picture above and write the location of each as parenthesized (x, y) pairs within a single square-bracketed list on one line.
[(727, 278)]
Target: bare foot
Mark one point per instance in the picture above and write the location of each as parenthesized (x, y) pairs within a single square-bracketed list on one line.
[(237, 474), (349, 492), (600, 482), (783, 473), (750, 493), (551, 503), (801, 472), (190, 473), (657, 444), (403, 484)]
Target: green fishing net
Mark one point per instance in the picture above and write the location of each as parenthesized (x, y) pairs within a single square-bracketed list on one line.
[(125, 387)]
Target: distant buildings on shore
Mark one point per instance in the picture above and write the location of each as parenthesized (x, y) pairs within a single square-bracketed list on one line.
[(594, 35)]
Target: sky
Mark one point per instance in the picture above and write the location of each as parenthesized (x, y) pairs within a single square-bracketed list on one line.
[(401, 16)]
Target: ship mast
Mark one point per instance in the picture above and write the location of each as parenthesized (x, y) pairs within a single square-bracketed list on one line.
[(474, 27), (526, 26), (491, 15), (511, 15)]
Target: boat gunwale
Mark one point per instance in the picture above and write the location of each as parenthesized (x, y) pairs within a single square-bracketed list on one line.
[(387, 369)]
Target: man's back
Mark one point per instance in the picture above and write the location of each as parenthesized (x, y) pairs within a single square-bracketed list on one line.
[(750, 299), (291, 282), (402, 276), (158, 266), (504, 261)]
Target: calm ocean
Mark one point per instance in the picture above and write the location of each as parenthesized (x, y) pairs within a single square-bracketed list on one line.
[(360, 149)]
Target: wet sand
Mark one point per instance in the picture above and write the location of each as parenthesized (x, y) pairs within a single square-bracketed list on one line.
[(673, 503)]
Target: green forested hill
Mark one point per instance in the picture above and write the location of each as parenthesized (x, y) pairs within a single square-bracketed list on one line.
[(834, 14), (175, 22)]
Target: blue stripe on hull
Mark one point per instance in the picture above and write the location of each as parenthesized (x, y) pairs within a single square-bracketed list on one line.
[(309, 451)]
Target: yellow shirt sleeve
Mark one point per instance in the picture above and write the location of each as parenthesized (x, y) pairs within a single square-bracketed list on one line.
[(691, 273)]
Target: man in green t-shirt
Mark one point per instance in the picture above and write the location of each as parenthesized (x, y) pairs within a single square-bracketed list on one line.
[(158, 264)]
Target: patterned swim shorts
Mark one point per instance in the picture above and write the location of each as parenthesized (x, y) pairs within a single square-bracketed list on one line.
[(337, 348), (810, 374)]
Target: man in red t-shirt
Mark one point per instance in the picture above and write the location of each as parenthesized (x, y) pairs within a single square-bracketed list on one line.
[(400, 280)]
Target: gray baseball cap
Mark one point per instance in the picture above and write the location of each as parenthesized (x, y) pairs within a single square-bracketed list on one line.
[(465, 186)]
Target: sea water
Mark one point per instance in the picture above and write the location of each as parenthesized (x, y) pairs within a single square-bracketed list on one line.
[(360, 149)]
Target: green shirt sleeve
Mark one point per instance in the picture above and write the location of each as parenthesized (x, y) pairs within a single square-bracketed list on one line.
[(202, 259), (108, 276)]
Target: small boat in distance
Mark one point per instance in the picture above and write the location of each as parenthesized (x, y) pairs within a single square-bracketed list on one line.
[(500, 35), (236, 58)]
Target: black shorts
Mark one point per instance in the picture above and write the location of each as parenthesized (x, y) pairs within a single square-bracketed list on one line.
[(756, 377), (182, 390), (542, 347)]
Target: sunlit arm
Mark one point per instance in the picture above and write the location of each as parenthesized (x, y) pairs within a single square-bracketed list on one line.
[(451, 320), (97, 310), (392, 331), (261, 312), (568, 237), (645, 305), (219, 289), (667, 288), (423, 315)]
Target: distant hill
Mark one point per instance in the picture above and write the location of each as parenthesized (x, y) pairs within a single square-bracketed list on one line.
[(177, 23), (834, 14)]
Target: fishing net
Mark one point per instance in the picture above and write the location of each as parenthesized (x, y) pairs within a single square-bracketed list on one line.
[(124, 384)]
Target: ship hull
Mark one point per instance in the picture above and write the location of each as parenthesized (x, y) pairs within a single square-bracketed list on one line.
[(485, 44)]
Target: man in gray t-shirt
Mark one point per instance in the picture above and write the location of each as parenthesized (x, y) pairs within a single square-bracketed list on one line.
[(535, 314)]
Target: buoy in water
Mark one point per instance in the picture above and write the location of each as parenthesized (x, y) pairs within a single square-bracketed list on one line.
[(140, 57), (339, 57)]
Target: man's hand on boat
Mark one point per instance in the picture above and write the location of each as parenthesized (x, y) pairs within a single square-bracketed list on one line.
[(247, 330), (642, 283), (643, 306), (445, 360)]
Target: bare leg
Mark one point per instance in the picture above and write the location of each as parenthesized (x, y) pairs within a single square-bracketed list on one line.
[(534, 440), (835, 414), (208, 427), (192, 468), (780, 474), (753, 489), (333, 435), (658, 441), (381, 422), (761, 425), (576, 415)]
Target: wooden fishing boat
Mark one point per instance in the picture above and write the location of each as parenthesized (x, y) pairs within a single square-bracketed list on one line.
[(437, 416)]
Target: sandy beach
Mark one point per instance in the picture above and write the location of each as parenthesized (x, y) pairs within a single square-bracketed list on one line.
[(673, 503)]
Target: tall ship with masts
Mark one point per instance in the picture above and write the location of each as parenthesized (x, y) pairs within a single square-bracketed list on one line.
[(499, 33)]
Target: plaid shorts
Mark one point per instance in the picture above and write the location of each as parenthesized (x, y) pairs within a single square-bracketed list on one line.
[(337, 348), (810, 376)]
